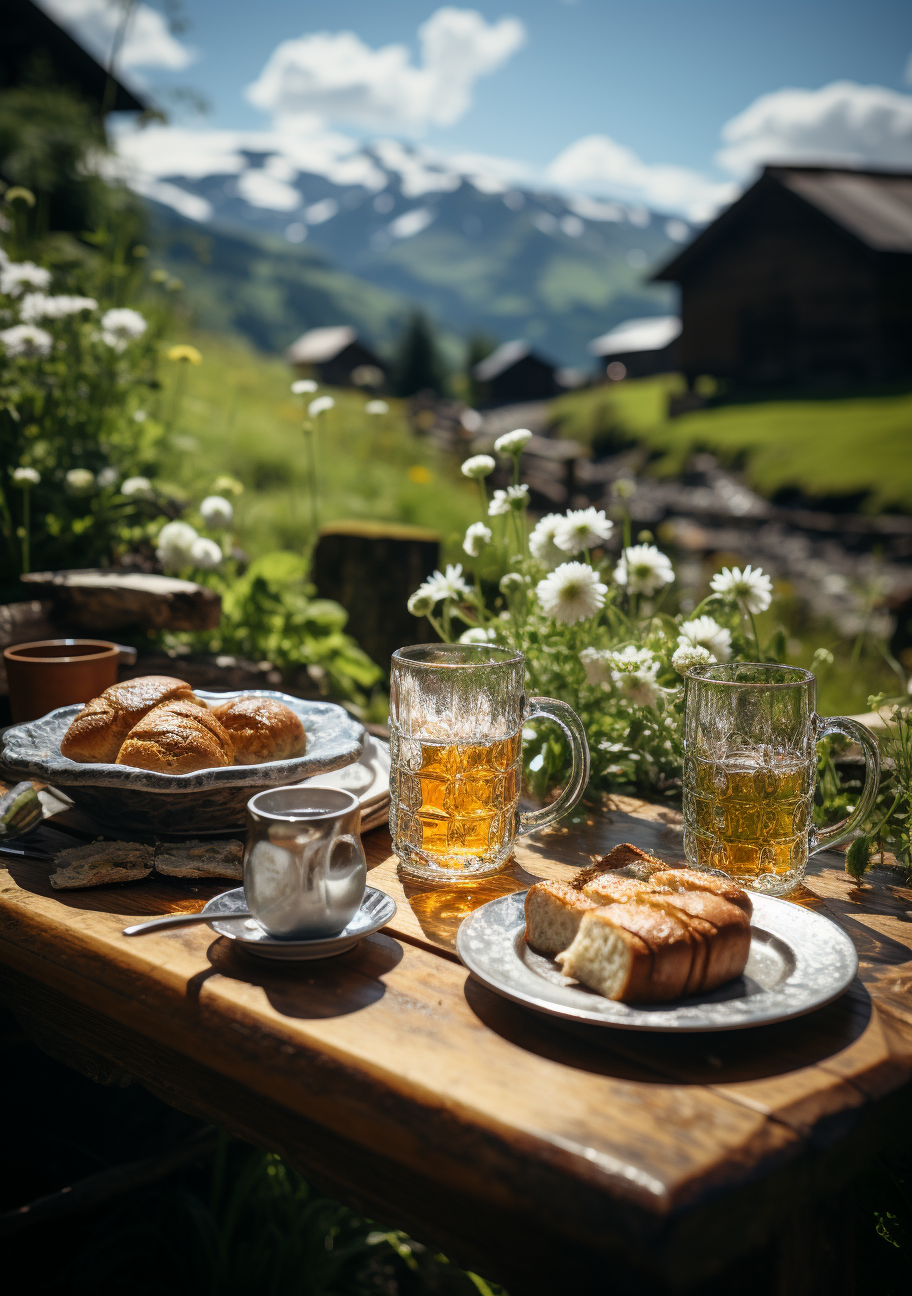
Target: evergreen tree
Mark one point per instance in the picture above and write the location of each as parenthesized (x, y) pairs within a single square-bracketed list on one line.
[(418, 365), (478, 348)]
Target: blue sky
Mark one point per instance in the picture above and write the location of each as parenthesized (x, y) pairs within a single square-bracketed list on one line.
[(655, 81)]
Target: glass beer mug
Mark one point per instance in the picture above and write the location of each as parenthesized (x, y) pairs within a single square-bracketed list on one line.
[(456, 718), (750, 768)]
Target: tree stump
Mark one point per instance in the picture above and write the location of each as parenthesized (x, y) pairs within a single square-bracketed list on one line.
[(108, 601), (371, 568)]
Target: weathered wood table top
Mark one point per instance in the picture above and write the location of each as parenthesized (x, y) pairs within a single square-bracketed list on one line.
[(538, 1152)]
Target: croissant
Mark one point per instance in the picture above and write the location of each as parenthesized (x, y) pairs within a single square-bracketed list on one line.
[(261, 729), (177, 738), (97, 733)]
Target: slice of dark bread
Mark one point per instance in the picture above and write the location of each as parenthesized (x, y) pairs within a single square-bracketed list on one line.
[(101, 862)]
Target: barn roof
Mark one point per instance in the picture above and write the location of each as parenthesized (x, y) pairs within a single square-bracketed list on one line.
[(637, 335), (505, 357), (875, 207), (321, 344)]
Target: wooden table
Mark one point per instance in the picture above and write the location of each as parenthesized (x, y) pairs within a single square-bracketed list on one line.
[(548, 1156)]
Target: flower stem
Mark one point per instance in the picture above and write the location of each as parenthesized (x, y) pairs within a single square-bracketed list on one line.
[(309, 437), (26, 528), (484, 499)]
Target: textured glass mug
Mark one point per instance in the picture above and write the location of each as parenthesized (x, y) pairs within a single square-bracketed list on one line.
[(750, 767), (456, 718)]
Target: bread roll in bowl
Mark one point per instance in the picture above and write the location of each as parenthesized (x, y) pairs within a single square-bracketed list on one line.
[(97, 733), (177, 738), (262, 729)]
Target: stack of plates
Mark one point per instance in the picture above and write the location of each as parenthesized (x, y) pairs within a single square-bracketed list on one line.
[(368, 778)]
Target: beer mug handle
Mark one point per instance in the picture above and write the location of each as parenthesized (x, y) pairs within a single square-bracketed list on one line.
[(822, 838), (565, 718)]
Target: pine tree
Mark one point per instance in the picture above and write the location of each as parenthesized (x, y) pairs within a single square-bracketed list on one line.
[(418, 366)]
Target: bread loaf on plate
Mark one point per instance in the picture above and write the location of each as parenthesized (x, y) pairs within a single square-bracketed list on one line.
[(97, 733), (177, 738), (261, 729)]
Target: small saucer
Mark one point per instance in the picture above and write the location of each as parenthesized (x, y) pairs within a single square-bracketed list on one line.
[(377, 908)]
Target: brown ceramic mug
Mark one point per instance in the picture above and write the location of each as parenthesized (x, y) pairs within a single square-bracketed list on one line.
[(51, 673)]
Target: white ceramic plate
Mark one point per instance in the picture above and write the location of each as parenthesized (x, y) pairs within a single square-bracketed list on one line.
[(377, 908), (798, 961)]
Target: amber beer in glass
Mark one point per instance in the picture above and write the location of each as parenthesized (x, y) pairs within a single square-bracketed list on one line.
[(456, 718), (750, 768)]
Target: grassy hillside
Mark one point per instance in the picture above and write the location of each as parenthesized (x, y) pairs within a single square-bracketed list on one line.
[(823, 447), (237, 416)]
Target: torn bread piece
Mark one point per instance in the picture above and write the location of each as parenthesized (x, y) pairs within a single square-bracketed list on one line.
[(101, 862), (635, 862), (202, 859), (598, 959), (686, 879), (554, 911)]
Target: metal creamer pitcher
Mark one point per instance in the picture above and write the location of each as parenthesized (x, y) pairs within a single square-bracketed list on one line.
[(304, 866)]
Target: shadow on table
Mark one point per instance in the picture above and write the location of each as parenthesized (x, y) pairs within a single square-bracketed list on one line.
[(316, 989), (710, 1058), (144, 898)]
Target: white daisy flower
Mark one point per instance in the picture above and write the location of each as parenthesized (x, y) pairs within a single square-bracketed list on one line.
[(633, 672), (139, 486), (107, 477), (595, 664), (216, 511), (581, 529), (449, 585), (477, 635), (37, 305), (376, 407), (14, 276), (80, 481), (422, 601), (541, 542), (752, 587), (705, 632), (477, 537), (139, 416), (320, 406), (502, 501), (175, 543), (205, 553), (478, 466), (26, 477), (26, 340), (511, 582), (303, 386), (690, 655), (121, 326), (643, 569), (571, 593), (513, 442)]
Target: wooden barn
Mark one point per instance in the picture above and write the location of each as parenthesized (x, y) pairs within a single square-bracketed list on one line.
[(805, 281), (337, 357), (34, 45), (640, 347), (513, 374)]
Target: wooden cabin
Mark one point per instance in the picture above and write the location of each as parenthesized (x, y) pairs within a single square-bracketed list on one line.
[(337, 357), (805, 281), (641, 346), (513, 374), (33, 44)]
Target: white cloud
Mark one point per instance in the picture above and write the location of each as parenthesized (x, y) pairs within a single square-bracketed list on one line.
[(190, 205), (601, 165), (339, 77), (841, 123), (148, 42)]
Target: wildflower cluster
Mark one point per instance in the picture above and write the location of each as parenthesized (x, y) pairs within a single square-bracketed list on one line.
[(590, 611)]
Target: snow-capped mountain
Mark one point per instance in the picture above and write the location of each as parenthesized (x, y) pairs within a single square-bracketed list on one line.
[(479, 251)]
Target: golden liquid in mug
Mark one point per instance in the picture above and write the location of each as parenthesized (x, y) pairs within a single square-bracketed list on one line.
[(457, 805), (748, 818)]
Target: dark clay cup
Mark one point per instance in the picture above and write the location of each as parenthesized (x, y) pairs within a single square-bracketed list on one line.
[(52, 673)]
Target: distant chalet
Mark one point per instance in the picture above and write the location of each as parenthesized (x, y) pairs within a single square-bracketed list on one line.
[(805, 281), (335, 356), (34, 45), (642, 346), (514, 373)]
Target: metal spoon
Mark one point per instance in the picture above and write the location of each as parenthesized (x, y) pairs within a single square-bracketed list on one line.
[(183, 920)]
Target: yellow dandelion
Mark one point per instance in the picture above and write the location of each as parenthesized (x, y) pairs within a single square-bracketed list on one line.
[(187, 353), (420, 475)]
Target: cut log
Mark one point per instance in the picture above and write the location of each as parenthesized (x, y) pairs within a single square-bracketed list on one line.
[(107, 601)]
